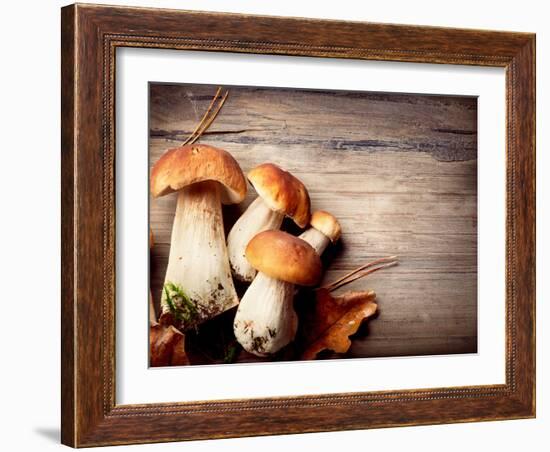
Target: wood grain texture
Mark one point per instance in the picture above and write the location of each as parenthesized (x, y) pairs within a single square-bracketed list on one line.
[(398, 171), (91, 34)]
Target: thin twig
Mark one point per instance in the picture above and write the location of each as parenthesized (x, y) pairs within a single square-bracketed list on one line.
[(203, 119), (211, 119), (361, 268), (333, 286)]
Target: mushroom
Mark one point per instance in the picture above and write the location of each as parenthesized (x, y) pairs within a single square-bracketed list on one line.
[(279, 194), (324, 229), (198, 283), (266, 321)]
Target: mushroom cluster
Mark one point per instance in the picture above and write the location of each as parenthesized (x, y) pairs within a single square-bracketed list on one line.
[(266, 321), (202, 264)]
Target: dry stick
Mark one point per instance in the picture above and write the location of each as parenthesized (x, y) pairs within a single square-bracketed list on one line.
[(335, 286), (211, 119), (203, 119), (362, 267)]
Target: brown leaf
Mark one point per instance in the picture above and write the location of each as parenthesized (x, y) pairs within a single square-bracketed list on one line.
[(167, 346), (335, 319)]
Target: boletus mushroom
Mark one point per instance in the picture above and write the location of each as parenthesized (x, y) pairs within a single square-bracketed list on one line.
[(324, 229), (198, 283), (266, 321), (279, 194)]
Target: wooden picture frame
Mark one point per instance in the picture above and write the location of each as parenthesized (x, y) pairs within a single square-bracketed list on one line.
[(90, 36)]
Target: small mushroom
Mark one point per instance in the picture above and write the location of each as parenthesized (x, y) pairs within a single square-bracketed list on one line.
[(198, 283), (266, 321), (279, 194), (324, 229)]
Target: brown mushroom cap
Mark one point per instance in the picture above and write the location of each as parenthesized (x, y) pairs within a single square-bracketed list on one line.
[(186, 165), (327, 224), (282, 192), (284, 257)]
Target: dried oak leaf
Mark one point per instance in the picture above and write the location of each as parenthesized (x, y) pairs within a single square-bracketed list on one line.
[(167, 345), (335, 319)]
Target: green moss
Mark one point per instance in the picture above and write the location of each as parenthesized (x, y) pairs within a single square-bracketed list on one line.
[(230, 353), (180, 305)]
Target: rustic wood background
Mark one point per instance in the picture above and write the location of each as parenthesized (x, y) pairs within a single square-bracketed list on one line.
[(400, 173)]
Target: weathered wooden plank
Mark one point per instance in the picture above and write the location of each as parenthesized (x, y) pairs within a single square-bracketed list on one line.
[(442, 126), (400, 173)]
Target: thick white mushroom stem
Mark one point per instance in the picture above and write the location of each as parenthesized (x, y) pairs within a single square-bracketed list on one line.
[(198, 284), (266, 321), (258, 217), (316, 239)]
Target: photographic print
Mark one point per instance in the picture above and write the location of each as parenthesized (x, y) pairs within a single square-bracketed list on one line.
[(295, 224)]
